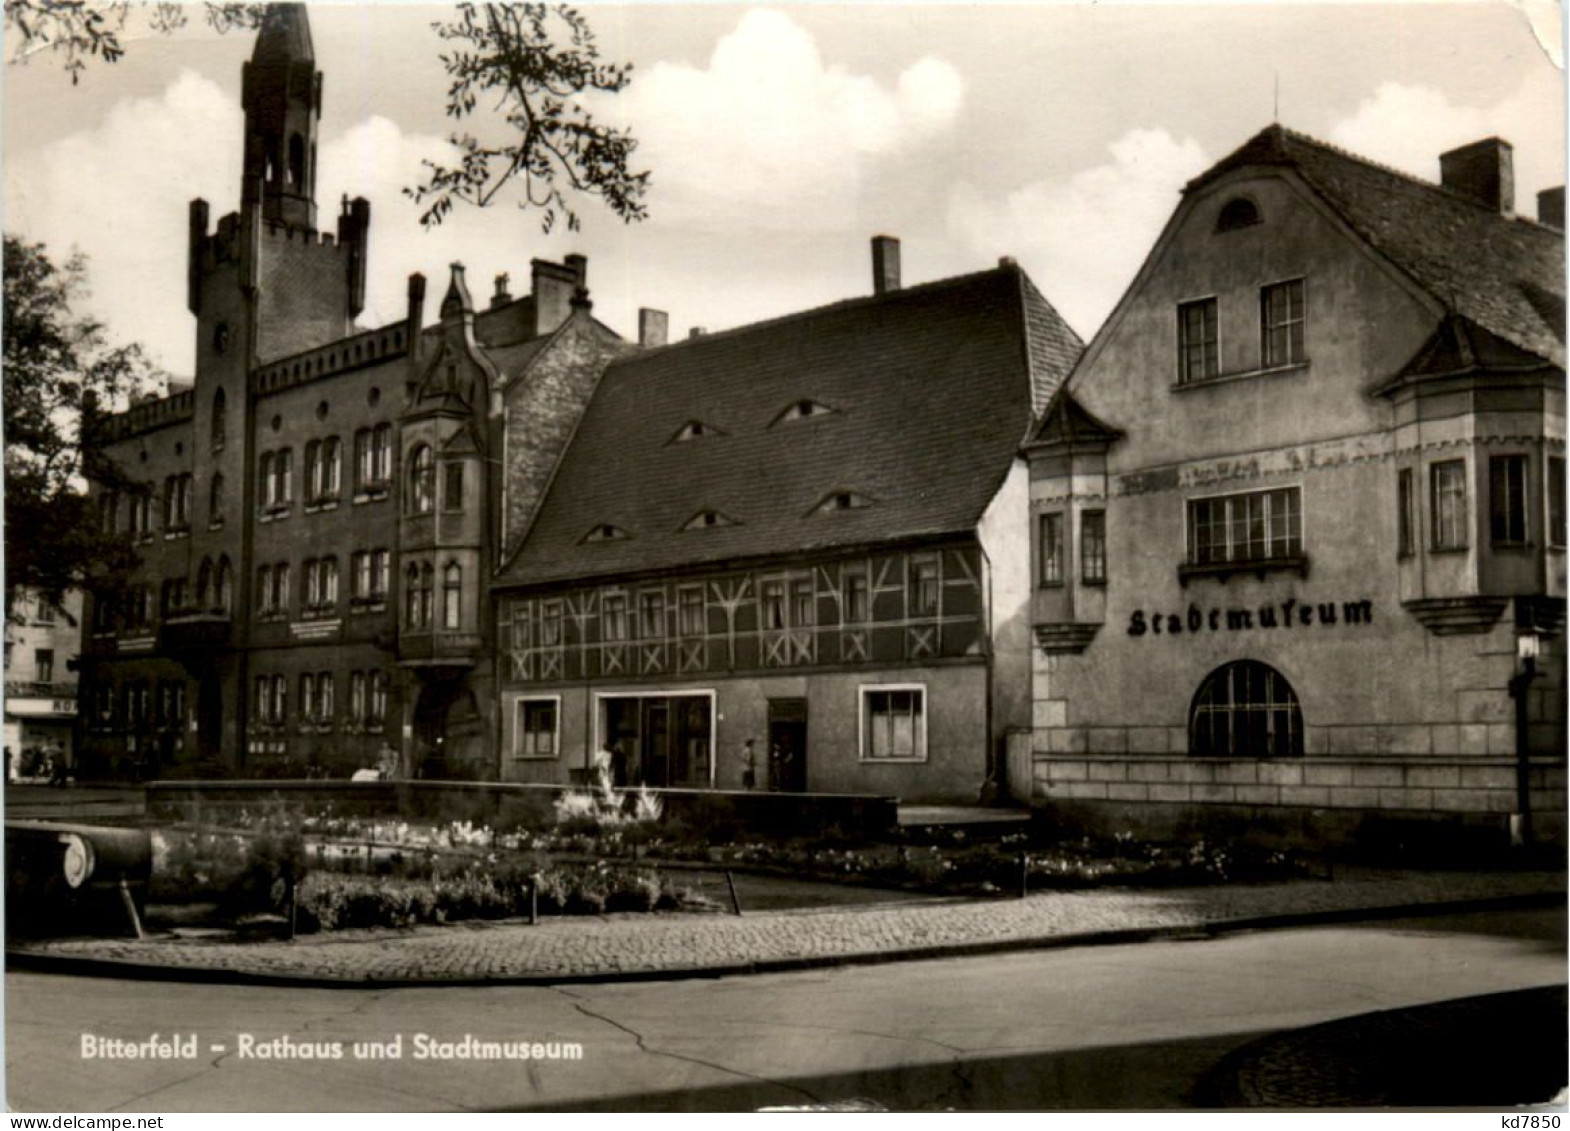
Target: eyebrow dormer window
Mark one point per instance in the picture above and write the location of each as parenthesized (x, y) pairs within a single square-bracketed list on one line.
[(1240, 212), (842, 501), (605, 532), (802, 410), (708, 520), (692, 430)]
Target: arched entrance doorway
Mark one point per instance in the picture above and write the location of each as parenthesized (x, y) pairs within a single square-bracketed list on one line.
[(449, 732)]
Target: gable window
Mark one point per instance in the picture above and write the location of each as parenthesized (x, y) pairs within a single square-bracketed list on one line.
[(1281, 324), (1259, 526), (842, 501), (1447, 488), (536, 735), (708, 519), (422, 480), (605, 532), (1239, 212), (1245, 710), (1507, 500), (452, 486), (692, 430), (1093, 547), (1556, 500), (1406, 513), (1051, 548), (1198, 356), (894, 723), (923, 587)]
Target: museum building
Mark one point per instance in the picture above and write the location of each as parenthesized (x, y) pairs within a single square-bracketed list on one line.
[(1298, 527)]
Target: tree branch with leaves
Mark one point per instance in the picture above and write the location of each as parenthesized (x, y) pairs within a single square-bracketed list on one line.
[(535, 65)]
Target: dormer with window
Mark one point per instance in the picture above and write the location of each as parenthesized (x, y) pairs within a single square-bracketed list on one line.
[(606, 532), (708, 519), (694, 429), (836, 501), (805, 409)]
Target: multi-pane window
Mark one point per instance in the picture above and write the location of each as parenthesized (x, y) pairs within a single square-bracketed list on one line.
[(1507, 500), (1246, 710), (1050, 530), (855, 587), (357, 697), (1447, 488), (613, 618), (177, 503), (1198, 355), (690, 611), (316, 698), (44, 665), (452, 486), (422, 480), (651, 615), (367, 699), (452, 597), (323, 470), (923, 587), (1253, 527), (320, 581), (1281, 324), (1556, 500), (1406, 513), (536, 736), (1093, 547), (373, 458), (272, 699), (368, 575), (43, 611), (377, 712), (894, 725), (276, 479), (418, 585), (550, 624), (772, 605), (803, 603)]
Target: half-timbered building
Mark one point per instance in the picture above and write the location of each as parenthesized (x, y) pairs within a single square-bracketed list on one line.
[(804, 535)]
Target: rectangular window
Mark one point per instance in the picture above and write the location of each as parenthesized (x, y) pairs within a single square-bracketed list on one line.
[(1447, 487), (894, 724), (1255, 527), (690, 611), (45, 612), (1556, 500), (1406, 513), (550, 624), (381, 573), (44, 663), (772, 600), (924, 587), (613, 618), (536, 734), (1507, 500), (357, 697), (855, 585), (452, 486), (1281, 324), (1093, 547), (325, 698), (332, 467), (359, 574), (1198, 356), (378, 711), (651, 616), (803, 603), (1051, 548), (307, 697)]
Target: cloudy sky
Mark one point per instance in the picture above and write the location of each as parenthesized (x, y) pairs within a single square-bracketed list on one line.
[(780, 138)]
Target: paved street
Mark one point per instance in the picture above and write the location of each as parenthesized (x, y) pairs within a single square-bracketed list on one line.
[(1135, 1026)]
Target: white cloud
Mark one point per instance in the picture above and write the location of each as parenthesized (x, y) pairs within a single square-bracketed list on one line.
[(119, 193), (1081, 238), (1408, 127), (770, 135)]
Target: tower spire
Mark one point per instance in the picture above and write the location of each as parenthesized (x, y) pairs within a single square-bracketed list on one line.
[(282, 96)]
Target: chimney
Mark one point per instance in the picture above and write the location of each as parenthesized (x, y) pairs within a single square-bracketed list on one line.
[(579, 266), (1551, 208), (696, 332), (416, 315), (553, 286), (1483, 172), (653, 328), (501, 297), (885, 264)]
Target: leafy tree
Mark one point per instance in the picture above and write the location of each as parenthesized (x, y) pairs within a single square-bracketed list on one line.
[(538, 61), (57, 366)]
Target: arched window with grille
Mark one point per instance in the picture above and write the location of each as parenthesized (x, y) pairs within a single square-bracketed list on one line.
[(1245, 709)]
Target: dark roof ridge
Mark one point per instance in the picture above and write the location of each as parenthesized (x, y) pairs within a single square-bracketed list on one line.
[(1276, 131), (926, 288)]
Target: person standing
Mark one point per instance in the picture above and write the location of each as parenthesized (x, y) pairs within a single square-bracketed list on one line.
[(749, 765)]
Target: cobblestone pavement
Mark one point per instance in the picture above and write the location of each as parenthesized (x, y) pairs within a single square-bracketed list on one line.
[(1493, 1051), (632, 945)]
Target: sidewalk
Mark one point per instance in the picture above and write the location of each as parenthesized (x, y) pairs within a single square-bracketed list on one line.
[(633, 947)]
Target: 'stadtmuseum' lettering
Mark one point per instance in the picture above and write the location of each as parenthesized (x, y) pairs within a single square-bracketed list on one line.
[(1285, 614)]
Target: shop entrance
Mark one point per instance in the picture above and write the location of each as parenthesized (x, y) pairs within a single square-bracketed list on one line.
[(659, 740), (788, 745)]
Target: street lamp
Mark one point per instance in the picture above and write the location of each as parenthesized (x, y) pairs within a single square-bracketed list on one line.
[(1527, 645)]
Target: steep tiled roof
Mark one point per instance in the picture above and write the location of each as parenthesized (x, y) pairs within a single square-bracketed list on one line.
[(929, 392), (1506, 274)]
